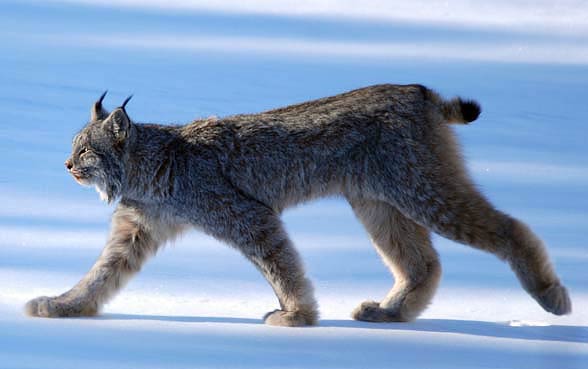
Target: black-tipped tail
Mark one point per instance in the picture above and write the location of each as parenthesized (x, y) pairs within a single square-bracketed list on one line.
[(470, 110), (460, 111)]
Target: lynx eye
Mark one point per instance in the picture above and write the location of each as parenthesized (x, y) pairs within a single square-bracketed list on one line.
[(83, 151)]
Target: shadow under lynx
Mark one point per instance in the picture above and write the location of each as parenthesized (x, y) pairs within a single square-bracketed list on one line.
[(387, 149)]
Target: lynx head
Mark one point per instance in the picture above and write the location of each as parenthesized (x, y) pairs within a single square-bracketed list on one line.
[(100, 150)]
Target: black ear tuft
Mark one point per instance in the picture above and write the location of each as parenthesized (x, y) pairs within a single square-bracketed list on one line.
[(126, 101), (99, 102), (98, 112)]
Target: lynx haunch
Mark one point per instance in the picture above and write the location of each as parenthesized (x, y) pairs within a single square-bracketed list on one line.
[(387, 149)]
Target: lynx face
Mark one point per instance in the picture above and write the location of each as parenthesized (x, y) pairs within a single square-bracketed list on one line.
[(99, 151)]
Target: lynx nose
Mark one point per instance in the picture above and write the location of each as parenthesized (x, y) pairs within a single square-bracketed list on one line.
[(68, 164)]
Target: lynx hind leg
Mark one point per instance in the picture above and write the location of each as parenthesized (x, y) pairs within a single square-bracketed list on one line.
[(455, 209), (528, 258), (511, 240), (406, 249)]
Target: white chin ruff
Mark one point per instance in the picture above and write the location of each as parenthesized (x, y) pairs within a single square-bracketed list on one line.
[(103, 195)]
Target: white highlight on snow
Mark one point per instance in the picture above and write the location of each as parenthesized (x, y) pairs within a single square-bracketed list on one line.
[(527, 172), (17, 203), (39, 237), (525, 323), (46, 238), (556, 52), (563, 16), (36, 237)]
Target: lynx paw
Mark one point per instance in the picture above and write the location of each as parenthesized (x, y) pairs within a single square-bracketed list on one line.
[(370, 311), (52, 307), (297, 318), (41, 306), (555, 300)]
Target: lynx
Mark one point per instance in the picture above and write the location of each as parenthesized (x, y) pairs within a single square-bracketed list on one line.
[(387, 149)]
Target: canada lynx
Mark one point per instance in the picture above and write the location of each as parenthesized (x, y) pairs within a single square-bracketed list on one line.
[(387, 149)]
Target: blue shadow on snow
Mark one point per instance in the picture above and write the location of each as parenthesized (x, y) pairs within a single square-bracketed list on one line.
[(559, 333)]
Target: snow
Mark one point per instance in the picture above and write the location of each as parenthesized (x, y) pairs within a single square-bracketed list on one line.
[(198, 303), (540, 15)]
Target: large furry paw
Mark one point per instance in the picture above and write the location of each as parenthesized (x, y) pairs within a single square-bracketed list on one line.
[(370, 311), (53, 307), (555, 300), (297, 318)]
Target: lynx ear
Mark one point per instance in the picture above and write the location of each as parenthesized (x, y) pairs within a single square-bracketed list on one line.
[(97, 112), (119, 123)]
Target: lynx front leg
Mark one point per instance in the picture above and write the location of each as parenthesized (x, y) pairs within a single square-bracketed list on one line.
[(133, 238), (274, 255), (281, 266), (406, 249), (258, 233)]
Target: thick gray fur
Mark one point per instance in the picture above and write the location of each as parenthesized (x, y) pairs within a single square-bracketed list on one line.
[(387, 149)]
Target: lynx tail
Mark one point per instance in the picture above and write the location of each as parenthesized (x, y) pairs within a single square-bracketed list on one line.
[(461, 111)]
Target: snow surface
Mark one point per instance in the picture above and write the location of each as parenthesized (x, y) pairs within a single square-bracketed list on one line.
[(198, 303)]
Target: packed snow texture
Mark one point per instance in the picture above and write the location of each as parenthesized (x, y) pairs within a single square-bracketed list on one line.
[(198, 303)]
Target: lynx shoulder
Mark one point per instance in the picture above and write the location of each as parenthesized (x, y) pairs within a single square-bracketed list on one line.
[(387, 149)]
